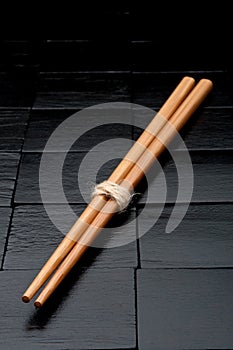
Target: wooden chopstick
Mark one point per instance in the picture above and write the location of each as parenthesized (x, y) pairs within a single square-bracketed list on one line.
[(179, 118), (169, 107)]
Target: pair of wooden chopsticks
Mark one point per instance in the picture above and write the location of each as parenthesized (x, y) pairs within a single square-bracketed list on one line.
[(178, 108)]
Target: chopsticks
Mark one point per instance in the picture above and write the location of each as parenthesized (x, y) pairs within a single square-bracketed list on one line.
[(168, 108), (177, 109)]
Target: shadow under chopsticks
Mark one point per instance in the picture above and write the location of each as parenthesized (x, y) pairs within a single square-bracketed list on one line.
[(41, 317)]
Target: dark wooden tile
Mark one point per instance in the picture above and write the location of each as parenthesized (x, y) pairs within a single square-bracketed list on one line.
[(208, 128), (214, 165), (98, 54), (20, 55), (101, 21), (8, 169), (93, 309), (151, 54), (200, 50), (16, 89), (12, 128), (185, 309), (44, 122), (10, 145), (32, 230), (212, 172), (13, 123), (4, 224), (152, 89), (27, 190), (41, 126), (203, 239), (80, 90)]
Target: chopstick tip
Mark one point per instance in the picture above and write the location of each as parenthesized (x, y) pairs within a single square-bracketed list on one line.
[(207, 81), (188, 78)]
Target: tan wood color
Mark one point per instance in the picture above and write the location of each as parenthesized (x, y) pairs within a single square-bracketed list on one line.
[(156, 147)]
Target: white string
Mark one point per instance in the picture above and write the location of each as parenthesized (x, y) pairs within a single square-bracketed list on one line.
[(114, 191)]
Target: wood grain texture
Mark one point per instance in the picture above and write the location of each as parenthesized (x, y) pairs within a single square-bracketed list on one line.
[(32, 230), (5, 214), (90, 311), (48, 120), (185, 309), (27, 190), (8, 169), (13, 123), (10, 145), (216, 165), (80, 90), (12, 128), (207, 243)]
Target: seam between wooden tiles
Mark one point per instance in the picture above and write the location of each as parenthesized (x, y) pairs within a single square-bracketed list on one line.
[(13, 194), (177, 151), (24, 109), (140, 265), (38, 109), (139, 205), (67, 108), (223, 202), (136, 309), (80, 72), (188, 268), (7, 239), (96, 268), (219, 107), (135, 279), (153, 72), (137, 240)]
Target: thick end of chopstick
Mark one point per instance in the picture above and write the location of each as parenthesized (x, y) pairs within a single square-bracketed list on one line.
[(177, 97), (209, 84)]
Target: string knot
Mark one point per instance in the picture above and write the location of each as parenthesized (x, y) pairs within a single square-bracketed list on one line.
[(118, 193)]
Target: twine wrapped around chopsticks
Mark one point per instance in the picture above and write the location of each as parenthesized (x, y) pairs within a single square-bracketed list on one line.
[(114, 191), (181, 104)]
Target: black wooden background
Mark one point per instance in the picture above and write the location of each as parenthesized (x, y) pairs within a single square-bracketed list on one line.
[(160, 291)]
